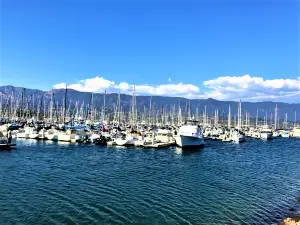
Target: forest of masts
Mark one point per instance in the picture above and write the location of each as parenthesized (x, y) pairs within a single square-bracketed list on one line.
[(24, 108)]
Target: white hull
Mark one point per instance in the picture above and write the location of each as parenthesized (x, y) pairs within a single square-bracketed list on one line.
[(52, 137), (22, 135), (124, 142), (189, 141), (266, 136), (238, 139), (33, 136), (285, 135), (64, 137)]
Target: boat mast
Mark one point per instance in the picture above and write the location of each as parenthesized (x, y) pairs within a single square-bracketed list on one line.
[(51, 107), (65, 106), (205, 116), (295, 120), (256, 121), (103, 113), (92, 108), (229, 118), (286, 121), (275, 118)]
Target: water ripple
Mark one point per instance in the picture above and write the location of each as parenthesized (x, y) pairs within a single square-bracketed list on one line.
[(52, 183)]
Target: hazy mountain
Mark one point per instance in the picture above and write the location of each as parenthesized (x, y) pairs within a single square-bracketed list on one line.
[(158, 102)]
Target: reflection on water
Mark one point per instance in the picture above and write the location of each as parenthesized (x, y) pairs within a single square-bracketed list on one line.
[(187, 151), (255, 182)]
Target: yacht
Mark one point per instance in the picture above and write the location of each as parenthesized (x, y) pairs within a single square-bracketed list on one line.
[(266, 133), (296, 132), (190, 135)]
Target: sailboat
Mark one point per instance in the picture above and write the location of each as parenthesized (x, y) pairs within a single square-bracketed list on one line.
[(236, 136)]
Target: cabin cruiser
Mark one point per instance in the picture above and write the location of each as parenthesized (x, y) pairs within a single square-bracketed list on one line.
[(28, 132), (190, 135), (266, 133), (296, 132), (68, 136), (164, 136), (276, 134)]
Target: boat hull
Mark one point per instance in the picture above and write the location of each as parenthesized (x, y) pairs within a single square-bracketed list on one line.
[(124, 142), (266, 136), (188, 141)]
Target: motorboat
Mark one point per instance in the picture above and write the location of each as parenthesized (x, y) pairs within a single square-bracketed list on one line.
[(266, 133), (237, 137), (190, 135), (285, 134), (296, 132)]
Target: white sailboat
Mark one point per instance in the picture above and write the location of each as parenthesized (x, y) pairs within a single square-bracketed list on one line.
[(236, 136)]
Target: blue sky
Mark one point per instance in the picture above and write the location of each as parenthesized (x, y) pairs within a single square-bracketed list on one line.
[(155, 44)]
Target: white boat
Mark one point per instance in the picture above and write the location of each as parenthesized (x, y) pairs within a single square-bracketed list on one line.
[(34, 134), (266, 133), (68, 136), (296, 132), (42, 134), (26, 133), (94, 136), (124, 140), (147, 138), (164, 136), (52, 134), (276, 134), (190, 135), (237, 137), (285, 134)]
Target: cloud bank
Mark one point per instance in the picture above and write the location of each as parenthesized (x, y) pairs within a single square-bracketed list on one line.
[(253, 88), (223, 88), (99, 85)]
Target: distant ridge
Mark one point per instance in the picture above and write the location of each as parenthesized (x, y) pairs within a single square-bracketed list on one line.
[(157, 101)]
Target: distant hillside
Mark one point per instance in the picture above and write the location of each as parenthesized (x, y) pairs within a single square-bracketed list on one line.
[(157, 101)]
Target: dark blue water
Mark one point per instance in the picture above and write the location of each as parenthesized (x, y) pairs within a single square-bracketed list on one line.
[(255, 182)]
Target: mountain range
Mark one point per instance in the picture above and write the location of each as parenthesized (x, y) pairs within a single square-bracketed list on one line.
[(158, 102)]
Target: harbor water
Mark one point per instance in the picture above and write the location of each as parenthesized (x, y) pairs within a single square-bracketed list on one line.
[(44, 182)]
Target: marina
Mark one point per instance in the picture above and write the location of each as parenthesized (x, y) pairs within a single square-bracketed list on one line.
[(122, 168), (114, 125), (255, 182), (149, 112)]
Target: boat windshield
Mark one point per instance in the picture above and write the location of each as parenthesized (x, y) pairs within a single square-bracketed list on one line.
[(191, 122)]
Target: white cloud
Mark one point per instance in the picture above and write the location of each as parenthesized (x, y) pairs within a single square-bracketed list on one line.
[(253, 88), (170, 79), (222, 88), (99, 84)]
